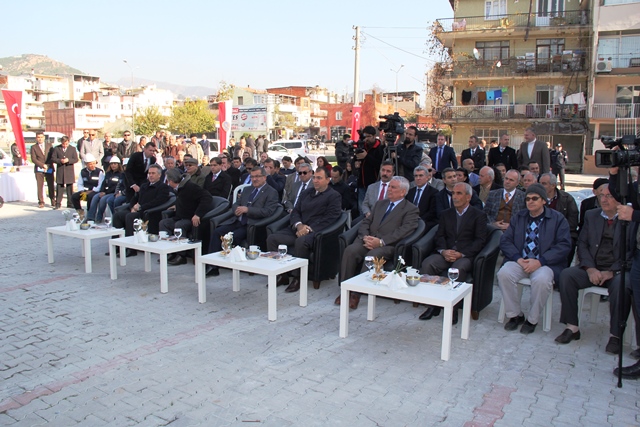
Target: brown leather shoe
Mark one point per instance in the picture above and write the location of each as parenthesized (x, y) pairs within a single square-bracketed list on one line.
[(316, 284), (282, 280), (354, 300), (337, 301), (294, 286)]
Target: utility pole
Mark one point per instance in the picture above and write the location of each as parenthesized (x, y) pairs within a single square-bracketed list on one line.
[(397, 71), (356, 68)]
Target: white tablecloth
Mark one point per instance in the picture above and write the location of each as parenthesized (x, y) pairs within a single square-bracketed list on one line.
[(19, 186)]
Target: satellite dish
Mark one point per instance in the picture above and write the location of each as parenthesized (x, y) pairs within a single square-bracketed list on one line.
[(476, 54)]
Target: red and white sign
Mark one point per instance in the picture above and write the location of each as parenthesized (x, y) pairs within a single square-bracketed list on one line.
[(224, 117), (356, 112), (13, 101), (249, 118)]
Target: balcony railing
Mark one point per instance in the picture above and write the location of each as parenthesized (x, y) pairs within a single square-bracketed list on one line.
[(517, 20), (622, 60), (510, 111), (615, 111)]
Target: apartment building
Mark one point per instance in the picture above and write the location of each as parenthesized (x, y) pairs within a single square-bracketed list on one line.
[(515, 65), (614, 96)]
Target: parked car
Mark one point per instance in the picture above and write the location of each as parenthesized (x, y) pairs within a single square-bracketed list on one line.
[(298, 147)]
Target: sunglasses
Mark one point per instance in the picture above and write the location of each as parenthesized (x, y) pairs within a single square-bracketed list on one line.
[(303, 172), (127, 134), (532, 199)]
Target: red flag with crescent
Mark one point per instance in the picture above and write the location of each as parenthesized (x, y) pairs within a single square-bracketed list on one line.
[(13, 101), (356, 112), (224, 117)]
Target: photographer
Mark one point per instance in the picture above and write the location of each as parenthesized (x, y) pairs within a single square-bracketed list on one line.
[(370, 158), (344, 151), (408, 154)]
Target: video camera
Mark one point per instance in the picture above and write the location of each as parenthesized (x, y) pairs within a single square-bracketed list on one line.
[(392, 126), (628, 154)]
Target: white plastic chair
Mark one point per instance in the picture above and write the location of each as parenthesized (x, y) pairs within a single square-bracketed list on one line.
[(237, 191), (596, 292), (546, 311)]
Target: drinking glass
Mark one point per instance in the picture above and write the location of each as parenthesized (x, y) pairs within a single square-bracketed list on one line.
[(453, 274), (282, 251), (368, 262), (107, 221), (178, 233)]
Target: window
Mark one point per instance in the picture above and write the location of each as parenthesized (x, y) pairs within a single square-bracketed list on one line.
[(611, 2), (495, 9), (549, 94), (628, 101), (490, 52), (338, 115), (548, 52), (241, 100), (620, 48), (488, 134)]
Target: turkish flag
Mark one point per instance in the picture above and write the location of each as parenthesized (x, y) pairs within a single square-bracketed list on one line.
[(13, 102), (356, 111), (224, 117)]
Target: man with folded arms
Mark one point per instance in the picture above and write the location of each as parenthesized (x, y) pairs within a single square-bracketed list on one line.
[(460, 237), (316, 209), (151, 194), (192, 203), (254, 203), (535, 245), (600, 264), (391, 220)]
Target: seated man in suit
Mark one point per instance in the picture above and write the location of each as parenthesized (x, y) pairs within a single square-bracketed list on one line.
[(600, 264), (316, 209), (486, 183), (274, 179), (502, 204), (434, 182), (424, 196), (151, 194), (192, 203), (217, 182), (564, 203), (338, 184), (391, 220), (255, 203), (443, 198), (249, 165), (304, 183), (535, 245), (460, 237), (378, 190), (591, 202)]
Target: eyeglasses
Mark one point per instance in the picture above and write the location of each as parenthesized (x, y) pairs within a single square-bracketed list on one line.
[(303, 172), (605, 196), (532, 199), (127, 134)]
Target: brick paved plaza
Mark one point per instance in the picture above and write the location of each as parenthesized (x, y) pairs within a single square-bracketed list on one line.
[(80, 349)]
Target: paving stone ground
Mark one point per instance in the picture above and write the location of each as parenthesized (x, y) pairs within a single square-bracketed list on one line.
[(80, 349)]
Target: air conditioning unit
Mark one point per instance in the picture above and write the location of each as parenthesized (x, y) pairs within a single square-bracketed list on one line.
[(603, 65)]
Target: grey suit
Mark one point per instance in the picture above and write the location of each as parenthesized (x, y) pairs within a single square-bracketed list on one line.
[(492, 205), (436, 183), (371, 197), (397, 225), (289, 198), (539, 154)]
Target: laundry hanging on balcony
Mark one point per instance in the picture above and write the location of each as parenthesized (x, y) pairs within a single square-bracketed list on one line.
[(466, 97)]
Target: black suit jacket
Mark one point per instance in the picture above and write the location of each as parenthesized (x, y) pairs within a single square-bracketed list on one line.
[(507, 157), (318, 211), (345, 192), (277, 181), (192, 200), (442, 202), (469, 238), (426, 205), (586, 205), (590, 237), (136, 172), (479, 158), (151, 195), (221, 187), (448, 158)]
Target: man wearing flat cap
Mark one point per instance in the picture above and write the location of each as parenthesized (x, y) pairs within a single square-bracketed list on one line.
[(194, 171), (535, 246)]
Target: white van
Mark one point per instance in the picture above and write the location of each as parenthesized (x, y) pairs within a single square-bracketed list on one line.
[(297, 146), (52, 137)]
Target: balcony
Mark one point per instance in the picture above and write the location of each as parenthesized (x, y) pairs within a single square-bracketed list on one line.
[(512, 21), (615, 111), (484, 113), (518, 66), (623, 60)]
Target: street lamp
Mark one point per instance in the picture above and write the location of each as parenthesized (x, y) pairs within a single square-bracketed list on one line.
[(397, 71), (133, 103)]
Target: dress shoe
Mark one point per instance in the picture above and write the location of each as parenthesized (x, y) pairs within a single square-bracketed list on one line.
[(316, 284), (354, 300), (179, 260), (130, 252), (528, 328), (635, 353), (629, 372), (430, 312), (454, 318), (294, 286), (613, 346), (338, 300), (170, 257), (212, 270), (282, 280), (513, 323), (567, 336)]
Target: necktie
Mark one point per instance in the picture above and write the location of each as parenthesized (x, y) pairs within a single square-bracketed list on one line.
[(146, 164), (243, 218), (438, 158), (472, 151), (389, 209), (416, 200), (506, 198), (304, 187), (449, 197), (214, 178), (383, 188)]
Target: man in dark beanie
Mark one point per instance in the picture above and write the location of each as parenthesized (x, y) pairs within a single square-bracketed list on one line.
[(535, 246)]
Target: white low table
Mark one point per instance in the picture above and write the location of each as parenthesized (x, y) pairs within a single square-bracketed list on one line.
[(162, 248), (86, 235), (436, 295), (266, 266)]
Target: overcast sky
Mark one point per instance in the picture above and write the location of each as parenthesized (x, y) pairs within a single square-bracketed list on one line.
[(252, 42)]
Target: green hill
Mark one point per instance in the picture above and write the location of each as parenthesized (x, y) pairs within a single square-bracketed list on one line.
[(40, 64)]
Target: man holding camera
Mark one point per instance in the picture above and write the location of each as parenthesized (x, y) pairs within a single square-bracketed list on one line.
[(408, 154), (370, 158), (343, 151)]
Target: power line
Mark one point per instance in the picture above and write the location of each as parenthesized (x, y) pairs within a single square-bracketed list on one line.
[(399, 48)]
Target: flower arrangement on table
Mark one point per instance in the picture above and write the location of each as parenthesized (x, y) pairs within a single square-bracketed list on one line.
[(227, 241), (67, 215)]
